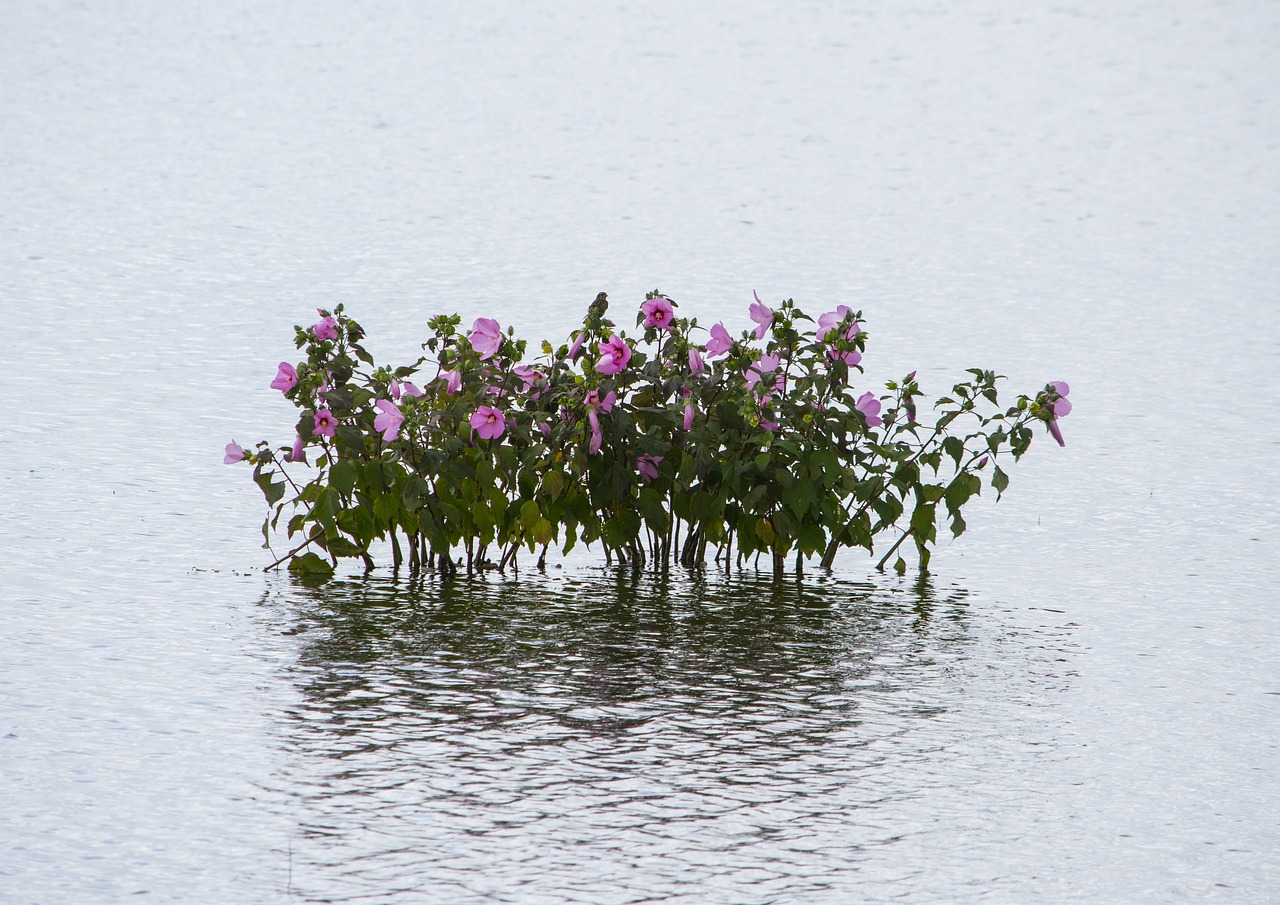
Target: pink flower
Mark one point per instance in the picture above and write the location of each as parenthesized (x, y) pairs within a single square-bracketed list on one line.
[(658, 313), (298, 453), (388, 420), (766, 365), (596, 436), (286, 378), (325, 329), (720, 341), (545, 429), (578, 339), (688, 416), (528, 376), (869, 406), (648, 466), (488, 422), (325, 423), (410, 389), (452, 381), (769, 425), (829, 331), (486, 337), (762, 315), (594, 401), (1061, 408), (832, 319), (614, 356), (234, 453), (696, 364)]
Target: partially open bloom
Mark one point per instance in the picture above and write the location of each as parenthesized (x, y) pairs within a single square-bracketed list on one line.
[(766, 365), (1061, 409), (388, 420), (485, 337), (832, 319), (528, 376), (658, 313), (234, 453), (325, 423), (325, 329), (762, 315), (720, 341), (298, 453), (576, 346), (594, 400), (410, 389), (488, 422), (688, 415), (829, 331), (452, 381), (286, 378), (869, 405), (597, 436), (696, 364), (648, 466), (614, 356)]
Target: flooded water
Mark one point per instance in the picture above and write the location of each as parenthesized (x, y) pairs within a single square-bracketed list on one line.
[(1081, 704)]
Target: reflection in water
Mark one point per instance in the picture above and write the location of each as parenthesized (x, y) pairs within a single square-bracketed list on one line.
[(604, 737)]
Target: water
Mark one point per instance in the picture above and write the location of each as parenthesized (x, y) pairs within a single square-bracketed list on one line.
[(1081, 705)]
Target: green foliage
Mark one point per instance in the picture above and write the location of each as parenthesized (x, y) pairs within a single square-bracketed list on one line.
[(684, 452)]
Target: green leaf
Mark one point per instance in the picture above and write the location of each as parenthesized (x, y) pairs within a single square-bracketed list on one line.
[(340, 546), (954, 447), (958, 492), (343, 476), (999, 480), (310, 565), (529, 515), (553, 483), (387, 509), (653, 508), (923, 519), (930, 493), (272, 490), (413, 494), (801, 496), (811, 538), (327, 507)]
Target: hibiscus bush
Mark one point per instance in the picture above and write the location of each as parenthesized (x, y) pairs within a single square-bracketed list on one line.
[(673, 445)]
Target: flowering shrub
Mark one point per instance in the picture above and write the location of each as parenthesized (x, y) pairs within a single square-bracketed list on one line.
[(671, 446)]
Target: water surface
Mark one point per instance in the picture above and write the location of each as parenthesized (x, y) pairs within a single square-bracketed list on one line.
[(1081, 705)]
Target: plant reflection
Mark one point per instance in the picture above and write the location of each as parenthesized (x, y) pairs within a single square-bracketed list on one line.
[(604, 651), (442, 726)]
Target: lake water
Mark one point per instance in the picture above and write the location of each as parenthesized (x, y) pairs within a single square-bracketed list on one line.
[(1081, 704)]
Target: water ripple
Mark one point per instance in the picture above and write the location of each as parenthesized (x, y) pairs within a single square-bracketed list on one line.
[(606, 739)]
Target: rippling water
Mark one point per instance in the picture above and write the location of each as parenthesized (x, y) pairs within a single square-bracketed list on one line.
[(1082, 704), (608, 738)]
